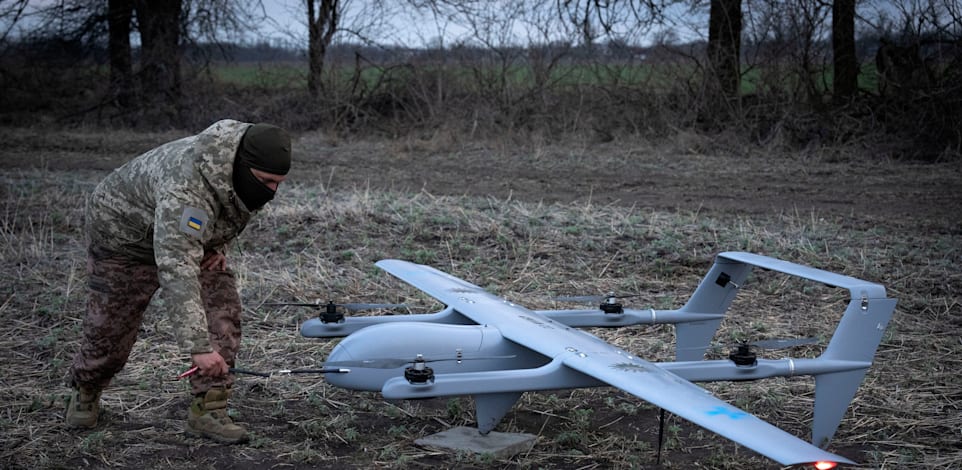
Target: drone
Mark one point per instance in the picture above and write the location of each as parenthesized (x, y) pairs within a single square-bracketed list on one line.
[(494, 350)]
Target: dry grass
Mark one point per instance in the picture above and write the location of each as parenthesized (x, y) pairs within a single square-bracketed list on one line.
[(315, 244)]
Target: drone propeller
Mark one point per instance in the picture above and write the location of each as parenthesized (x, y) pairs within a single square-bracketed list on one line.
[(606, 303), (330, 312), (770, 344), (593, 299), (743, 355), (393, 363), (349, 306), (783, 343)]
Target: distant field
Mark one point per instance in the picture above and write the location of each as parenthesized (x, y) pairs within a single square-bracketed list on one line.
[(266, 75), (659, 76)]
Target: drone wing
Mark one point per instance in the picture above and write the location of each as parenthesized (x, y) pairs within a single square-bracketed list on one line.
[(591, 356), (683, 398)]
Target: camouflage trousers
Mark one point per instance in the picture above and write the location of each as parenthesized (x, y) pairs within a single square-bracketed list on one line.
[(119, 293)]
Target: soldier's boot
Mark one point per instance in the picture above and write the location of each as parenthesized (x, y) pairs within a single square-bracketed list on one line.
[(83, 408), (208, 418)]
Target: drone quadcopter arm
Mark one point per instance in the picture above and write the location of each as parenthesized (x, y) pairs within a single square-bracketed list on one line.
[(316, 328), (583, 318)]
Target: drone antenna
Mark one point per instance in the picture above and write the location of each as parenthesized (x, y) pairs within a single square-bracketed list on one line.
[(661, 434)]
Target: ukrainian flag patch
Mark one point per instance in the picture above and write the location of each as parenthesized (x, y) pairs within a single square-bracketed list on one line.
[(193, 222)]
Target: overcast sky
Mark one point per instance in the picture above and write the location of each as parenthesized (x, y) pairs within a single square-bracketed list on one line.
[(405, 26), (287, 19)]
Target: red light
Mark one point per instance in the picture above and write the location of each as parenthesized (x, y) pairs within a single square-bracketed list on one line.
[(825, 465)]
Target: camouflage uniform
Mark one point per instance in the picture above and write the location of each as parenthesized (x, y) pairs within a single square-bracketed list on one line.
[(150, 224)]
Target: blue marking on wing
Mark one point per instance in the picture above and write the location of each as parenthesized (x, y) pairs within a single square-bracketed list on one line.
[(722, 411)]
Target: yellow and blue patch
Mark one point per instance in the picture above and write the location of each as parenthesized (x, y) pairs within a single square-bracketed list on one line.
[(193, 222)]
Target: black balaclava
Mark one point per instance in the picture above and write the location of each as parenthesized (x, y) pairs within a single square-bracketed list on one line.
[(264, 147)]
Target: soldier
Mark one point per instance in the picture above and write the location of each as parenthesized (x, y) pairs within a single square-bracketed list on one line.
[(165, 219)]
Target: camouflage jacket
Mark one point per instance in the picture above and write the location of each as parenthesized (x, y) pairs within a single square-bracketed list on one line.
[(167, 207)]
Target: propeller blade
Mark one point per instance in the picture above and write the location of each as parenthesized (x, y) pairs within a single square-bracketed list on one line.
[(234, 370), (291, 304), (393, 363), (352, 307), (355, 307), (783, 343), (592, 299), (778, 343)]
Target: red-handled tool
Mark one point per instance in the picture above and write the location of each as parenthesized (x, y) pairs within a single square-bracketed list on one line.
[(189, 372)]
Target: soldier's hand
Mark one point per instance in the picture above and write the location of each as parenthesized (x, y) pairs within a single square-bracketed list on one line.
[(210, 364), (213, 261)]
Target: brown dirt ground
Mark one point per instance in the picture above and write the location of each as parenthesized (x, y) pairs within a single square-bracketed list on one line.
[(663, 178), (690, 173)]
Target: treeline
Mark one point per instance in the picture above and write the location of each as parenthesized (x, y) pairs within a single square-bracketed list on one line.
[(768, 72)]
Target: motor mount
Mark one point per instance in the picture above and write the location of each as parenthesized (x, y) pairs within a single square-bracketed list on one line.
[(611, 305), (419, 373), (743, 356), (330, 314)]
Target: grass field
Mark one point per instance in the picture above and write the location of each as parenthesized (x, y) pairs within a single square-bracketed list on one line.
[(319, 240)]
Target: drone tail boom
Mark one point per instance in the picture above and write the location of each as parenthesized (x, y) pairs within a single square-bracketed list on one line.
[(854, 341)]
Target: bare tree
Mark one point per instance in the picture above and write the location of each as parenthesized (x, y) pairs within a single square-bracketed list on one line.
[(595, 18), (11, 12), (153, 82), (119, 18), (322, 22), (724, 44), (160, 24), (845, 63)]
